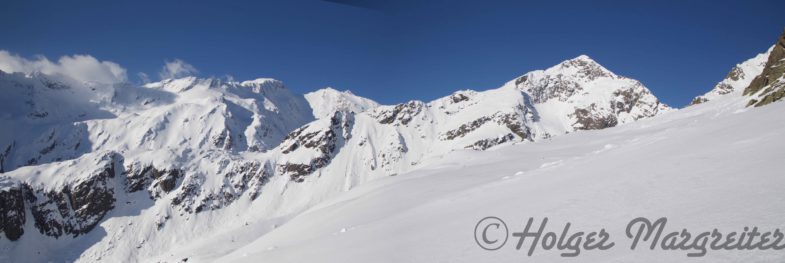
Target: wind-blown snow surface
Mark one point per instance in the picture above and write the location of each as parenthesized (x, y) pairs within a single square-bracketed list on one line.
[(708, 166)]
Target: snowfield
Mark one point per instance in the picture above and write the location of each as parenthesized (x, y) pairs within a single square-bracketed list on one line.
[(703, 167)]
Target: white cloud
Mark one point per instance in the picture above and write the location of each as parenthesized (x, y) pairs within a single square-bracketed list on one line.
[(176, 69), (84, 68), (143, 77)]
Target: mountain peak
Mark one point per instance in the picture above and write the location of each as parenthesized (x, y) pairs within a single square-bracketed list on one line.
[(332, 90), (263, 82), (580, 61), (583, 57), (328, 100), (581, 66)]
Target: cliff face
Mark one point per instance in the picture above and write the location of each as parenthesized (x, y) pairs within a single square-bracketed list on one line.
[(73, 208), (12, 208)]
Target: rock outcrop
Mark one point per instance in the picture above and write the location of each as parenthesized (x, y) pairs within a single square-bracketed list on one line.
[(769, 86)]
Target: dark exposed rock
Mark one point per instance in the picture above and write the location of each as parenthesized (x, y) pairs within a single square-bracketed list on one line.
[(12, 208), (156, 181), (512, 120), (79, 206), (252, 176), (458, 97), (484, 144), (698, 100), (298, 171), (223, 140), (187, 196), (589, 119), (166, 179), (400, 114), (769, 98), (556, 87), (735, 74), (323, 141), (587, 68), (465, 128), (137, 179), (559, 86), (629, 100), (240, 177), (522, 79)]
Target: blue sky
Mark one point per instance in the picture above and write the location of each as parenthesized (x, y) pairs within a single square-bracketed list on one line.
[(396, 51)]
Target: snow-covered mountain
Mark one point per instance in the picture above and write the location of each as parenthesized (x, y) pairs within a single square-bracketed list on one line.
[(326, 101), (126, 173), (577, 94)]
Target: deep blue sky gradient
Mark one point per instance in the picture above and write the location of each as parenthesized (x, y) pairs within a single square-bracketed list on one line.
[(394, 51)]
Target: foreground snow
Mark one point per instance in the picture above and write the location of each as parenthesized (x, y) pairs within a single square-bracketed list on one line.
[(704, 167)]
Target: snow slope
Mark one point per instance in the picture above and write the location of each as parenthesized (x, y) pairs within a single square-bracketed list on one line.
[(703, 167)]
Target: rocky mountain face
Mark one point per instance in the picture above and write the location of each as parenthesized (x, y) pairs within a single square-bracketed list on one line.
[(594, 97), (738, 79), (769, 86), (181, 154), (73, 206)]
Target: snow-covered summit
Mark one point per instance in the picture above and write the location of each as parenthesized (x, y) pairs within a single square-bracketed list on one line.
[(328, 100), (263, 83), (581, 66), (582, 94)]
